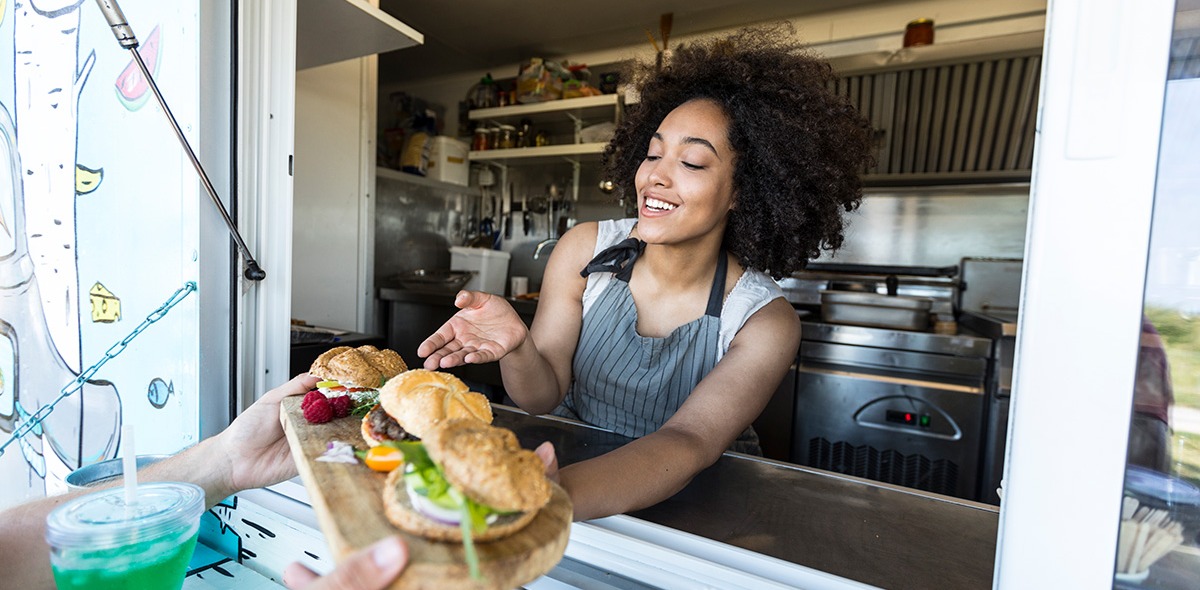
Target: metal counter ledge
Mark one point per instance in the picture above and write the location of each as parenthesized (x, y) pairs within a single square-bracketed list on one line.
[(874, 533)]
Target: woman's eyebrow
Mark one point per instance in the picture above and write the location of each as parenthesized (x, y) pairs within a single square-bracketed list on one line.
[(693, 140)]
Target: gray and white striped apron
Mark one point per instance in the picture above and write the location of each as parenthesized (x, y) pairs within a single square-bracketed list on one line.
[(632, 384)]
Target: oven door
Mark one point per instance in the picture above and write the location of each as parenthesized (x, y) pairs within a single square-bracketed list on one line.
[(901, 428)]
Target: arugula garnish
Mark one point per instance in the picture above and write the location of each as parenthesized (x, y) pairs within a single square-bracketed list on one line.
[(363, 402)]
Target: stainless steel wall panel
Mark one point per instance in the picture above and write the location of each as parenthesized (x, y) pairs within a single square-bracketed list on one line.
[(1028, 122), (928, 100), (982, 91), (965, 114), (937, 122), (1010, 103)]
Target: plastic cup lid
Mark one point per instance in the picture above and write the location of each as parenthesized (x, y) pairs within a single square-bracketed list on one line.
[(101, 519)]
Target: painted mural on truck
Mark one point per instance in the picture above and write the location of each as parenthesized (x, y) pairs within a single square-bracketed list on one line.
[(98, 228)]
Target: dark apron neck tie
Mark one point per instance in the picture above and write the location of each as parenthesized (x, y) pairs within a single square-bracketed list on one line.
[(617, 259), (716, 296)]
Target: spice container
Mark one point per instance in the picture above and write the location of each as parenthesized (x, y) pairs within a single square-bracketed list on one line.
[(480, 141), (542, 138), (507, 138), (919, 32), (525, 133)]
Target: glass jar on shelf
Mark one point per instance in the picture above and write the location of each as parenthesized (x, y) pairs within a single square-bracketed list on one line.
[(508, 138), (525, 133), (481, 139)]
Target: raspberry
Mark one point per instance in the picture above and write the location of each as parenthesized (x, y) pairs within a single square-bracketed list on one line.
[(319, 411), (310, 397), (341, 405)]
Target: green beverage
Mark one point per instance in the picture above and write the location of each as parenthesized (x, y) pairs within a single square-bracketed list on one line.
[(97, 541)]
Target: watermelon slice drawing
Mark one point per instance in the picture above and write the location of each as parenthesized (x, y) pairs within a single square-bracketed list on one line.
[(132, 87)]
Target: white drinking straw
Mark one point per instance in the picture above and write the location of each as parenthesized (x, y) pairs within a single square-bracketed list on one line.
[(129, 464)]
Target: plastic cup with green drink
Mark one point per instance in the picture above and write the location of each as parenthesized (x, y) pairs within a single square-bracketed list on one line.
[(102, 540)]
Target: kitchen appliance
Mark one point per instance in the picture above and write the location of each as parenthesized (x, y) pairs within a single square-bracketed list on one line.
[(873, 309), (989, 302), (892, 405)]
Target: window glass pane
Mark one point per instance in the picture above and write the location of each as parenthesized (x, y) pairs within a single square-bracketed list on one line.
[(1158, 545)]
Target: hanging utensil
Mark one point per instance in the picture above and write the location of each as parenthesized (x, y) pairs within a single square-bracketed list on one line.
[(525, 217), (508, 215)]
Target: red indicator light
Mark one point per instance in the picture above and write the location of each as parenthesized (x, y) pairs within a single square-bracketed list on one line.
[(908, 417)]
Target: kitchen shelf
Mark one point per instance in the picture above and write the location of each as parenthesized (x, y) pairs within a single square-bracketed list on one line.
[(938, 54), (605, 107), (329, 31), (401, 176), (571, 151)]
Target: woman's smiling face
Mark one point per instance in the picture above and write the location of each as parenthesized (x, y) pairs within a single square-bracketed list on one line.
[(685, 184)]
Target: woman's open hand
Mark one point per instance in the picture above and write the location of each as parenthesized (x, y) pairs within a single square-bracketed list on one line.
[(485, 329)]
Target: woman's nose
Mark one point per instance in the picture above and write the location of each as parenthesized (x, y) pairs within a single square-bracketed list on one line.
[(657, 175)]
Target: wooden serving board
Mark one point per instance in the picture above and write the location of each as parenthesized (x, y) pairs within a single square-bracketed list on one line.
[(348, 500)]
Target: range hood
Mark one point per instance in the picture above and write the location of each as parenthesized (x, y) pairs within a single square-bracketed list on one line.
[(948, 114)]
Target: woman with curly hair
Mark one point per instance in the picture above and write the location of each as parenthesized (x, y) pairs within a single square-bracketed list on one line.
[(668, 328)]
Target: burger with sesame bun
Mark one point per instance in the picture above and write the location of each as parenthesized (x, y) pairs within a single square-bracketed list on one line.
[(351, 370), (414, 402), (350, 378)]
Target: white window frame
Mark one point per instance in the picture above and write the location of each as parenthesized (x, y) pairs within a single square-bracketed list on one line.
[(1085, 265), (266, 115), (1086, 249)]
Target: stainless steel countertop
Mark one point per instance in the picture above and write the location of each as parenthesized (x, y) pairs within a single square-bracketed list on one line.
[(875, 533), (392, 293)]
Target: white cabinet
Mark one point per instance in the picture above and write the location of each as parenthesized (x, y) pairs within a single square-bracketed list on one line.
[(329, 31)]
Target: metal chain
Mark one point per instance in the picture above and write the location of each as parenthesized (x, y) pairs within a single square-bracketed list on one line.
[(35, 420)]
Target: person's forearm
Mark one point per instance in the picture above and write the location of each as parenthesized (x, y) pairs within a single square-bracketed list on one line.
[(24, 554), (199, 464), (530, 380), (637, 475)]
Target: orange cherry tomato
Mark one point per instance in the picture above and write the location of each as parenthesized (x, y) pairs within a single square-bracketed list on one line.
[(383, 458)]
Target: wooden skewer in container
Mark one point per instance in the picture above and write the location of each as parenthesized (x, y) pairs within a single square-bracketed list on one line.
[(1146, 535)]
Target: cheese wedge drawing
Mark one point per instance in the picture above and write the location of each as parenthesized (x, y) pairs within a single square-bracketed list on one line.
[(106, 307), (86, 179)]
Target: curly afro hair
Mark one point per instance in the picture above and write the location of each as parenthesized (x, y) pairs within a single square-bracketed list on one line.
[(800, 149)]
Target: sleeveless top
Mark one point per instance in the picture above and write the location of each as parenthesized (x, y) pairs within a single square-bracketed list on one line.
[(632, 384)]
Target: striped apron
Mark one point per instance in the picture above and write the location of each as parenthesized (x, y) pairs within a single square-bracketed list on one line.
[(632, 384)]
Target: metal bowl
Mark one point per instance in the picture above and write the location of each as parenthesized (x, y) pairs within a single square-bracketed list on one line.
[(441, 281), (97, 473)]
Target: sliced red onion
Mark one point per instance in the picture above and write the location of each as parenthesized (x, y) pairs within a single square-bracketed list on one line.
[(432, 511), (338, 452)]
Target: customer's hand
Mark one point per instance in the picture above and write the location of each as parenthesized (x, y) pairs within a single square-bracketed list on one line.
[(545, 452), (254, 446), (485, 329), (372, 568)]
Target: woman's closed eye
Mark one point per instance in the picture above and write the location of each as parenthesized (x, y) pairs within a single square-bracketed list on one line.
[(688, 165)]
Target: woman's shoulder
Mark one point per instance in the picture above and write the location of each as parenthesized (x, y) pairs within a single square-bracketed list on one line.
[(755, 287), (611, 231)]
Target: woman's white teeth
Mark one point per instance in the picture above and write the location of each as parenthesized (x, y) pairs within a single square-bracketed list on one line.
[(660, 205)]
